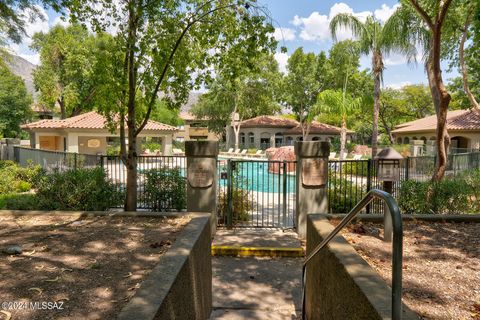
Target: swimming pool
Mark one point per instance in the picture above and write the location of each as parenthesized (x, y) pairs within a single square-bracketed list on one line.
[(254, 176)]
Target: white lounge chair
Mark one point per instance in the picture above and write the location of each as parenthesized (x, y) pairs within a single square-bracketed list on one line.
[(357, 157), (244, 152), (230, 150), (332, 155), (177, 151)]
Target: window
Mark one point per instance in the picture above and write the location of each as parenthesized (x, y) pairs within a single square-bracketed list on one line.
[(242, 138), (251, 139)]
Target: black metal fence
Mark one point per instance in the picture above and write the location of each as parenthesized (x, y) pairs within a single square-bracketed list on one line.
[(161, 180), (256, 193)]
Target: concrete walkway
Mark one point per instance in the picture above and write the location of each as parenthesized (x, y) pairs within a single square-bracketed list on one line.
[(256, 287)]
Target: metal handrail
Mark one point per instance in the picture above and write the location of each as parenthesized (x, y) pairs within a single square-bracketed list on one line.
[(397, 245)]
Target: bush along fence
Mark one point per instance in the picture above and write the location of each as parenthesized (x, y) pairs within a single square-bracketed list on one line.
[(162, 183)]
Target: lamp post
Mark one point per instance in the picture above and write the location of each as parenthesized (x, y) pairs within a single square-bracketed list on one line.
[(388, 169)]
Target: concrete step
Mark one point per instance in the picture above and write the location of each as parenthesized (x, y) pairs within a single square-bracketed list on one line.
[(244, 314)]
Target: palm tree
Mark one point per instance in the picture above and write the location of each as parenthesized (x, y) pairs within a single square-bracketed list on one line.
[(372, 39), (336, 101)]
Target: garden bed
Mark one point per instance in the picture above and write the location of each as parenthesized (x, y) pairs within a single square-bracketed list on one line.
[(91, 265), (441, 268)]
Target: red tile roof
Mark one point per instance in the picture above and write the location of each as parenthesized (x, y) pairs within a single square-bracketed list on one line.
[(316, 128), (457, 120), (269, 122), (89, 120)]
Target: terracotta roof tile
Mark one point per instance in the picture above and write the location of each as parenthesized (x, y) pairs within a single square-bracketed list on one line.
[(89, 120), (456, 120), (269, 122), (316, 128)]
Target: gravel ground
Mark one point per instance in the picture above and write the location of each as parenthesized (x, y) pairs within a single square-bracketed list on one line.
[(89, 267), (441, 271)]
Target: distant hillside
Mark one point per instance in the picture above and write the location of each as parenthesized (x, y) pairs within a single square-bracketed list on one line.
[(23, 69)]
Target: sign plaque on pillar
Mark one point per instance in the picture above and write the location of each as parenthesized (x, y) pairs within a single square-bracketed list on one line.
[(200, 174), (314, 172)]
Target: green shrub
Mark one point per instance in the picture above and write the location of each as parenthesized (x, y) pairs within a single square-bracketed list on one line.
[(14, 178), (82, 189), (356, 168), (451, 195), (472, 181), (242, 205), (341, 201), (19, 201), (165, 189)]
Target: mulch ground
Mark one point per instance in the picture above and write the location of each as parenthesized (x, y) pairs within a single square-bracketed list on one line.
[(441, 271), (90, 267)]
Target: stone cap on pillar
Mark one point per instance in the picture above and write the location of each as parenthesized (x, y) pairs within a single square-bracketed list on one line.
[(312, 149), (203, 148)]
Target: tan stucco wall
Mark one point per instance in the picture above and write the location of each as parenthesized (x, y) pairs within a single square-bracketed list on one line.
[(268, 132), (76, 138), (83, 145), (474, 137)]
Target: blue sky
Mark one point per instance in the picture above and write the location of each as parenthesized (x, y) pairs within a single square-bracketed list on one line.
[(299, 23)]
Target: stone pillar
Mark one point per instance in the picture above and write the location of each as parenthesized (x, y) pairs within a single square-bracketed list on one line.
[(312, 178), (167, 145), (202, 178), (72, 142)]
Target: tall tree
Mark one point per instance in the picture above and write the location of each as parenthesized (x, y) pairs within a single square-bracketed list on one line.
[(235, 96), (375, 40), (15, 103), (303, 83), (66, 75), (424, 22), (167, 47), (336, 101), (14, 14)]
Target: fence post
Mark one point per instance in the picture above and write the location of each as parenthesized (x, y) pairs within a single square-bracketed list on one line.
[(229, 208), (75, 161), (284, 194), (202, 178), (369, 181), (312, 181), (407, 168)]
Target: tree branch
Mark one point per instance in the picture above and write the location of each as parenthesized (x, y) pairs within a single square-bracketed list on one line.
[(426, 18), (463, 66), (169, 61)]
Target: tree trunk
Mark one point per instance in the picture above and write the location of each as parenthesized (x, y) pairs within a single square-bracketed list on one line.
[(343, 137), (236, 130), (131, 161), (61, 103), (463, 66), (377, 64), (441, 100)]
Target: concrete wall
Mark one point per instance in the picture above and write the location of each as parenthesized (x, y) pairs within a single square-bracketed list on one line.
[(180, 286), (85, 149), (340, 284)]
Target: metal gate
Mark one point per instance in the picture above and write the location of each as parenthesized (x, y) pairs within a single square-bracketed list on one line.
[(256, 193)]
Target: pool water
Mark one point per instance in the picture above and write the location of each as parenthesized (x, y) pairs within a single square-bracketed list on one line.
[(254, 176)]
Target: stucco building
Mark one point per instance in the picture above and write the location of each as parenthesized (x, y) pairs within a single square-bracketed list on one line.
[(264, 132), (463, 127), (88, 134), (193, 129)]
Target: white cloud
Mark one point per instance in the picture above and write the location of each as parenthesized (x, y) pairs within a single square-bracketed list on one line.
[(282, 59), (316, 27), (61, 21), (284, 34), (395, 60), (38, 25), (385, 12), (398, 85)]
